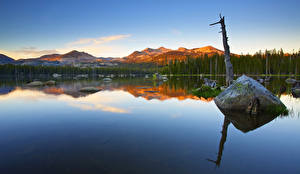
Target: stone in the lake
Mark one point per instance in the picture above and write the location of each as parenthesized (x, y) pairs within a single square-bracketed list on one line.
[(260, 80), (164, 78), (50, 82), (55, 75), (107, 79), (144, 87), (296, 92), (89, 89), (267, 79), (210, 83), (290, 81), (246, 92), (82, 76), (35, 83), (151, 91), (223, 88)]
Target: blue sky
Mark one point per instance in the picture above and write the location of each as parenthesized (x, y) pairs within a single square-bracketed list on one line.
[(118, 27)]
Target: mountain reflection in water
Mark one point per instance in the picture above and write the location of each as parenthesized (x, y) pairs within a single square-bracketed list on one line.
[(161, 127)]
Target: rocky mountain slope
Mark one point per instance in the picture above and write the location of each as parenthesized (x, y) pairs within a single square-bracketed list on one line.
[(148, 55), (5, 59), (162, 54)]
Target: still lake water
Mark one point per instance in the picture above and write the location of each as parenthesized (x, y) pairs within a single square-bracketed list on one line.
[(139, 126)]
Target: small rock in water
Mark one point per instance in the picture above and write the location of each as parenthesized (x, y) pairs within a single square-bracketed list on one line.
[(260, 80), (144, 87), (290, 81), (82, 76), (35, 83), (107, 79), (223, 88), (50, 82), (210, 83), (55, 75), (296, 89), (151, 91), (89, 89), (296, 92)]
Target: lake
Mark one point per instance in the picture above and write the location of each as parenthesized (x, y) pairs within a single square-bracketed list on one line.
[(136, 125)]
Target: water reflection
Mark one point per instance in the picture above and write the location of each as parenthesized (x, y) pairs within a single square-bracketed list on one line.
[(162, 127), (243, 122), (226, 123), (175, 88)]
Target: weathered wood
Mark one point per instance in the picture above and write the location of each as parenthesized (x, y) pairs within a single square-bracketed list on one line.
[(226, 123), (228, 65)]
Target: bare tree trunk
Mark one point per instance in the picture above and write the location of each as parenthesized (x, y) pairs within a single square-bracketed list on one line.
[(266, 63), (216, 67), (222, 142), (228, 65), (210, 67), (290, 65)]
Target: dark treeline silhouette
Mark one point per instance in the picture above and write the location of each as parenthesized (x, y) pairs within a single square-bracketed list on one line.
[(270, 62), (24, 70)]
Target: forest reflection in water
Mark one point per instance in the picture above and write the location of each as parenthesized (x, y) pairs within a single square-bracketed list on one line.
[(115, 97)]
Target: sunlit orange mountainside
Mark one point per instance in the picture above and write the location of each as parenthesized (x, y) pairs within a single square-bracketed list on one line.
[(73, 55), (162, 54), (148, 55)]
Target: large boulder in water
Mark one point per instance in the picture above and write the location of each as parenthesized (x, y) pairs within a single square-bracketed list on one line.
[(248, 95)]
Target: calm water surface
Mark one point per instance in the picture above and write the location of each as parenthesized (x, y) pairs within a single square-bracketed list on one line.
[(139, 126)]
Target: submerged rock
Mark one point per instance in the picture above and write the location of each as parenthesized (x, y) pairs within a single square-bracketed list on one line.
[(260, 80), (82, 76), (89, 89), (151, 91), (223, 88), (267, 79), (50, 82), (296, 92), (55, 75), (107, 79), (248, 95), (35, 83), (210, 83), (290, 81)]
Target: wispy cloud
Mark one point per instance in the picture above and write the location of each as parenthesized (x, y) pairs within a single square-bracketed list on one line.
[(28, 52), (34, 52), (99, 46), (95, 46)]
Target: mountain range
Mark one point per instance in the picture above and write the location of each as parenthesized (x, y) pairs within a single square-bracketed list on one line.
[(148, 55), (5, 59), (162, 54)]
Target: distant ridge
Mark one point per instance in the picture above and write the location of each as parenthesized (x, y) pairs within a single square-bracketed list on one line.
[(72, 55), (148, 55), (5, 59)]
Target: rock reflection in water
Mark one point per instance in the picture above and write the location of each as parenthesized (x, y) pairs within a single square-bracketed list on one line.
[(243, 122)]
